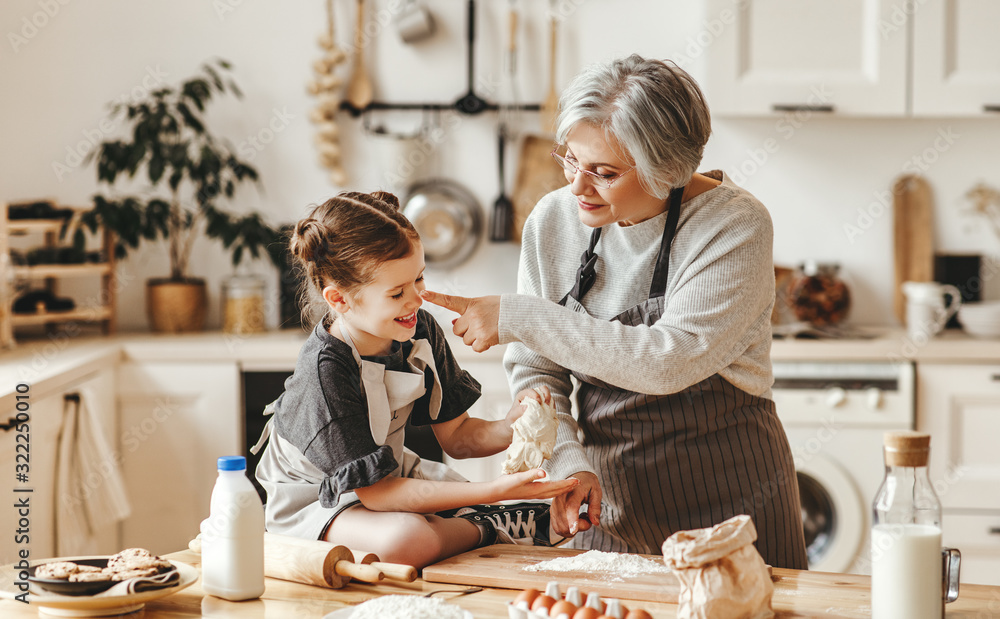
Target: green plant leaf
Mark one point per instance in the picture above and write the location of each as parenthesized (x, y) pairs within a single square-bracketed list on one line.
[(157, 165), (189, 118)]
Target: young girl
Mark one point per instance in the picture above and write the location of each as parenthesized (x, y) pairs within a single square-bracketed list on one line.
[(334, 467)]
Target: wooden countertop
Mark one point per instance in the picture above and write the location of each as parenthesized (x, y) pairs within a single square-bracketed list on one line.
[(797, 594)]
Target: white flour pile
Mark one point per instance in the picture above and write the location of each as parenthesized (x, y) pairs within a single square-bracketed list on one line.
[(406, 607), (614, 566)]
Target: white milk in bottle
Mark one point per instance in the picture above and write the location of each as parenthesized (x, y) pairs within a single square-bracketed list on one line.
[(232, 538), (906, 558)]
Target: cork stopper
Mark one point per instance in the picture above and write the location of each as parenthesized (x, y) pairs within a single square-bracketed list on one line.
[(907, 448)]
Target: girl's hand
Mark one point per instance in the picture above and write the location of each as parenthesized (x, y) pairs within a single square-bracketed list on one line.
[(522, 486), (517, 409)]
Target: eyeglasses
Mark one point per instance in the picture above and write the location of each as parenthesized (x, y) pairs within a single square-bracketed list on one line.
[(600, 180)]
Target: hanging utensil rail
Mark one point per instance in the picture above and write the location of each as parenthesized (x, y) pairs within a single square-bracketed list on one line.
[(470, 103)]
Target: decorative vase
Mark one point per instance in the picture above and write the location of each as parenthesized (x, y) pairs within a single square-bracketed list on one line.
[(176, 306)]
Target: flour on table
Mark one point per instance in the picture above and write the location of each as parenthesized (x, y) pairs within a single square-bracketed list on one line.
[(614, 566), (406, 607), (534, 437)]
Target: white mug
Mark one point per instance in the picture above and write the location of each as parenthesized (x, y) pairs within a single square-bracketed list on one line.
[(926, 312)]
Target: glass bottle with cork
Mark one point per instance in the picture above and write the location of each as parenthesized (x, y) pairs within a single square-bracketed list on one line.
[(909, 567)]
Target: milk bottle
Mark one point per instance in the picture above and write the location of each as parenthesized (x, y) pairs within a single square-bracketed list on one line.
[(232, 538), (906, 537)]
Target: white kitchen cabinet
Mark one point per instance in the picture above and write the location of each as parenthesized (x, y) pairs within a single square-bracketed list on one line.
[(977, 536), (46, 410), (176, 420), (956, 70), (43, 440), (959, 406), (809, 56)]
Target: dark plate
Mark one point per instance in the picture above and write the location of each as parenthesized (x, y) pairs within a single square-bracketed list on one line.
[(65, 587)]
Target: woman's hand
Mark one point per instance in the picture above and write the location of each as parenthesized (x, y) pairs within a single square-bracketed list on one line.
[(479, 321), (566, 518), (522, 486), (517, 408)]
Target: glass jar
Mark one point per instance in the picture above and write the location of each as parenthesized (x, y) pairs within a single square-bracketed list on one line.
[(243, 304), (907, 562), (818, 296)]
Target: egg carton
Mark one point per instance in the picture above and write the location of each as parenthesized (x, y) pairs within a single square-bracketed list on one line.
[(532, 604)]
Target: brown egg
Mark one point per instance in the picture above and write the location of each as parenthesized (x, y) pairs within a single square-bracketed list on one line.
[(560, 607), (528, 595), (587, 613), (543, 601), (638, 614)]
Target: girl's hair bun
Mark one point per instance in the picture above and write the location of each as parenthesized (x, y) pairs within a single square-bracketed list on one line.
[(309, 241), (388, 198)]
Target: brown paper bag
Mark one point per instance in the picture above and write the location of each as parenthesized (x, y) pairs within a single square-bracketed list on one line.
[(722, 575)]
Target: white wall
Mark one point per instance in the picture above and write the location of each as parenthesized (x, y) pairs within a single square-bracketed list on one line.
[(60, 68)]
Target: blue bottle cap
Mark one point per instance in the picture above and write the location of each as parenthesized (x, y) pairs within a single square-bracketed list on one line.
[(232, 463)]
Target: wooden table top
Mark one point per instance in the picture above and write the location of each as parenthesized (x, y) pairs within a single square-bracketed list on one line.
[(797, 594)]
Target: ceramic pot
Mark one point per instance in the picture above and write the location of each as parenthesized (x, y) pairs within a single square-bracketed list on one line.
[(176, 306)]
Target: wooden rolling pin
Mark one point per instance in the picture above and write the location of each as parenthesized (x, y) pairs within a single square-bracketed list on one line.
[(392, 571), (313, 562)]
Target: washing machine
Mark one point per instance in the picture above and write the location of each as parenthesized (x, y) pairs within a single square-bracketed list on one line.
[(835, 415)]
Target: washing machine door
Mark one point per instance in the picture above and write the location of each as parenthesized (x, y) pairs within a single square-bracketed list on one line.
[(833, 516)]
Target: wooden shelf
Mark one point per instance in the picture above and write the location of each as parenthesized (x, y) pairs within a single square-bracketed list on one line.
[(28, 226), (62, 270), (88, 314), (49, 275)]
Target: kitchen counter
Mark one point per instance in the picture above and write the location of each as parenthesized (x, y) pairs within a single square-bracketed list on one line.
[(797, 594), (952, 346)]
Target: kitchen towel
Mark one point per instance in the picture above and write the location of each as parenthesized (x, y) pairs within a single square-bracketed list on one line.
[(90, 489)]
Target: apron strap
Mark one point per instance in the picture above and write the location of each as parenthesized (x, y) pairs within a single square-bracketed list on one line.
[(658, 287), (268, 428), (586, 274)]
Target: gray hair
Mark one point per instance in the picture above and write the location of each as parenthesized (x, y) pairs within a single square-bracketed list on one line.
[(651, 108)]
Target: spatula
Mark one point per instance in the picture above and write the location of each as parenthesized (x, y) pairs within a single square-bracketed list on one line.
[(503, 209), (360, 92)]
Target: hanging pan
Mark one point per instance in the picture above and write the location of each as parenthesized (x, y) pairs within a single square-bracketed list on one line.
[(448, 218)]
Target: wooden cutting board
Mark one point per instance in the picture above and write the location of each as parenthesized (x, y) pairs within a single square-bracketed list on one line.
[(502, 566), (913, 236), (537, 175)]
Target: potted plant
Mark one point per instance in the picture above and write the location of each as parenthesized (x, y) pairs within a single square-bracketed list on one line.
[(184, 173)]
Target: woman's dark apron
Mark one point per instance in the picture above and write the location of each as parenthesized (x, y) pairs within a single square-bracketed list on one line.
[(686, 460)]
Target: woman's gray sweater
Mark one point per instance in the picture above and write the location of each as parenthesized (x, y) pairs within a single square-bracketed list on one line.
[(720, 290)]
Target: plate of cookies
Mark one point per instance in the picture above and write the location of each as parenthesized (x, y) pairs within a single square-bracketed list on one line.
[(92, 576), (93, 586)]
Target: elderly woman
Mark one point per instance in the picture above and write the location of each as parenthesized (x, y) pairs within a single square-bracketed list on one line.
[(664, 322)]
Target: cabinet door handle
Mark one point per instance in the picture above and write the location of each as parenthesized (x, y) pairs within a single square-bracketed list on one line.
[(994, 530), (995, 378), (801, 107), (10, 425), (991, 107)]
